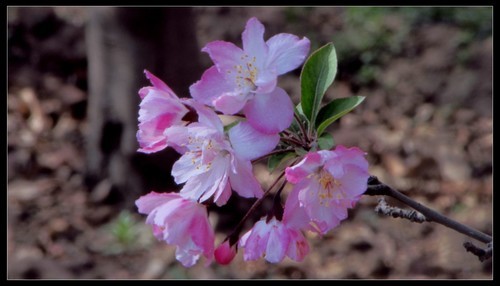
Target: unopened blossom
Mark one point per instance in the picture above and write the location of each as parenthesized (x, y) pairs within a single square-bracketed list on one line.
[(245, 79), (181, 222), (327, 184), (273, 240), (225, 253), (212, 163), (159, 109)]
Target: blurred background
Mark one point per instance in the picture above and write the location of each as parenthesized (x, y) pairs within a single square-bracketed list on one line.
[(74, 173)]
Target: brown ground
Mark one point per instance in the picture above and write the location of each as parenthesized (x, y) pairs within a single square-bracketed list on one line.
[(426, 124)]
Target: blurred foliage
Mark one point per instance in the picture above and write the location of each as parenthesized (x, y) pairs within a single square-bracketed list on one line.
[(123, 229), (126, 234), (372, 35), (296, 17), (475, 20)]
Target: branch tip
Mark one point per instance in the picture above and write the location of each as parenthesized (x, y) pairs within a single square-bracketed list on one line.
[(482, 253)]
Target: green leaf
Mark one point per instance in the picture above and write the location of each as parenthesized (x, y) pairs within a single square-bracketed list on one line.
[(316, 77), (277, 160), (334, 110), (325, 142), (298, 109)]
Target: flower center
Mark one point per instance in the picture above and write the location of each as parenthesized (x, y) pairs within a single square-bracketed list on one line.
[(202, 152), (246, 73), (330, 188)]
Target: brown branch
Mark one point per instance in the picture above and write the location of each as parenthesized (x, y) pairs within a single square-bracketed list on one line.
[(385, 209), (482, 254), (375, 187)]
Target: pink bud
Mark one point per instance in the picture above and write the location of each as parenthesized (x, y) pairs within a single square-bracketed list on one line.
[(224, 253)]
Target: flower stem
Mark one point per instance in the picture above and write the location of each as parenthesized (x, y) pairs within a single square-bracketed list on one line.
[(237, 229), (272, 153), (277, 210), (292, 135), (302, 129), (294, 141)]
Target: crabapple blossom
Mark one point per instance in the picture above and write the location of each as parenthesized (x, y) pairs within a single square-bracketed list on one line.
[(181, 222), (327, 183), (245, 79), (159, 109), (213, 164), (274, 240)]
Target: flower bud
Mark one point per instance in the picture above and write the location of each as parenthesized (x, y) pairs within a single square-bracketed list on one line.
[(224, 253)]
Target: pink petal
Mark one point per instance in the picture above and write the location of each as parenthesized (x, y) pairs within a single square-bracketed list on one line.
[(294, 215), (277, 243), (243, 181), (325, 217), (149, 90), (187, 255), (206, 181), (158, 232), (255, 240), (287, 52), (305, 167), (298, 247), (352, 156), (253, 41), (198, 186), (206, 115), (211, 85), (230, 103), (249, 143), (242, 242), (185, 168), (225, 55), (167, 213), (354, 181), (217, 181), (266, 80), (148, 141), (222, 195), (339, 209), (201, 232), (152, 200), (158, 83), (270, 113), (177, 137), (156, 114), (154, 106)]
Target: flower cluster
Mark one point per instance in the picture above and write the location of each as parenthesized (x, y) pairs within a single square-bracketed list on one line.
[(216, 159)]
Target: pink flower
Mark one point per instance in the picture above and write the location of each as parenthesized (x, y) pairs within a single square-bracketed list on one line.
[(245, 79), (212, 163), (274, 240), (225, 253), (159, 109), (181, 222), (327, 183)]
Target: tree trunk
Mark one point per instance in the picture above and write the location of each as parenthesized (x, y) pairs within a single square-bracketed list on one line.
[(121, 43)]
